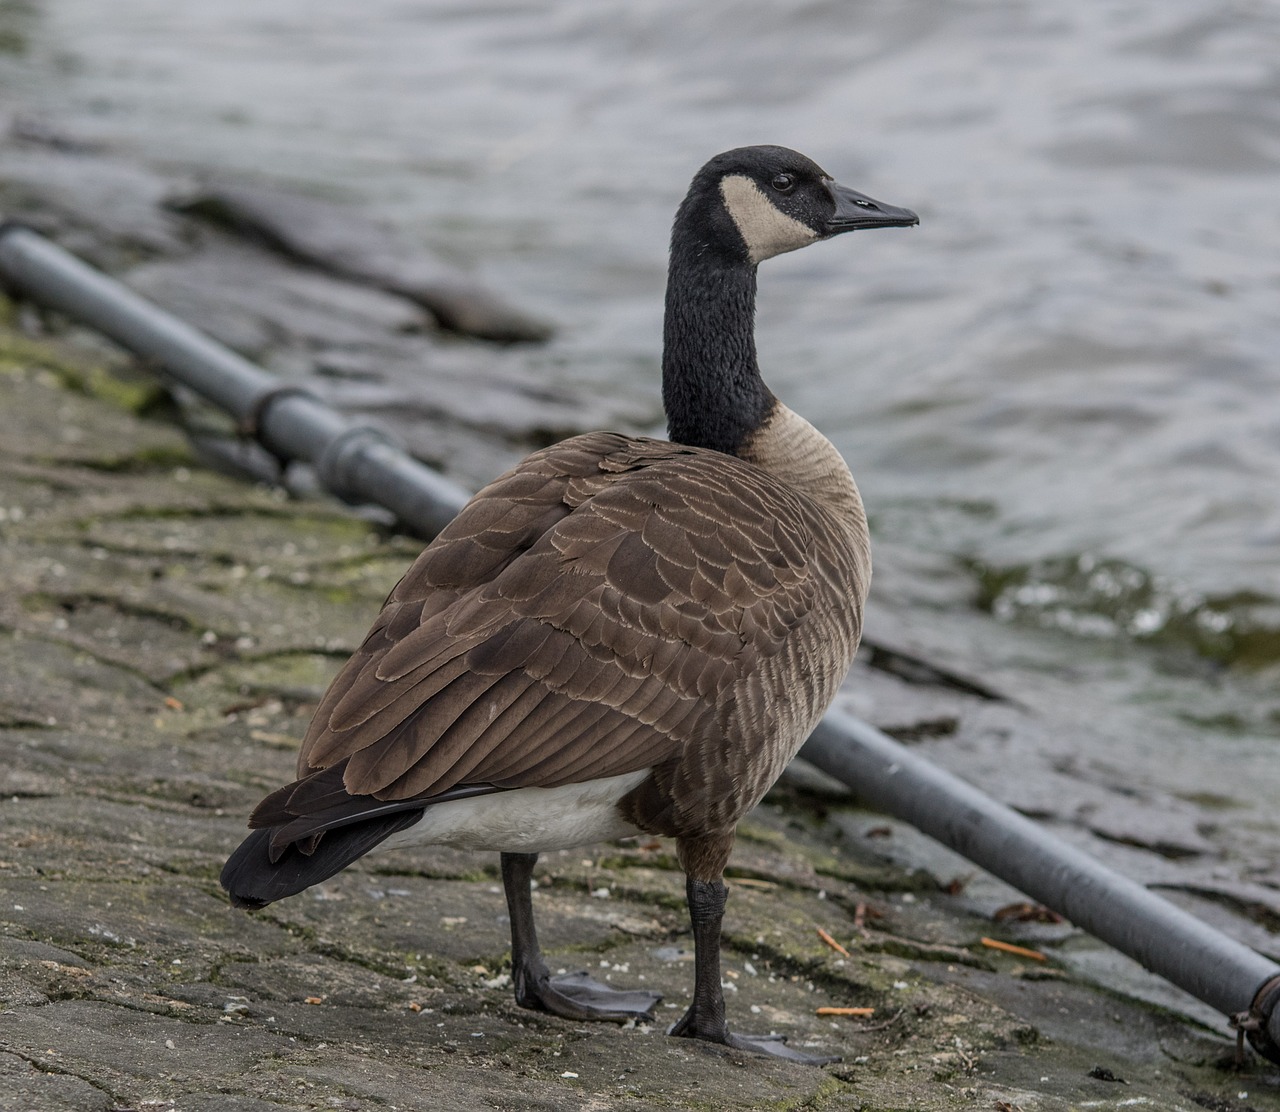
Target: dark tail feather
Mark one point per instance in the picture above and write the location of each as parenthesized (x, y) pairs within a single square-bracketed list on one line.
[(252, 880)]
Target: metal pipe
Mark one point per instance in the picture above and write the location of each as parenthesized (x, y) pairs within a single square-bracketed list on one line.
[(1224, 973), (357, 460)]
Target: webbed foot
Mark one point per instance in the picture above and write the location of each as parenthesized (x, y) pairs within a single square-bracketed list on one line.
[(716, 1031), (580, 996), (776, 1046)]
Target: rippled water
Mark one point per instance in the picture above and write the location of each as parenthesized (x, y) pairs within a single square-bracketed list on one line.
[(1061, 393)]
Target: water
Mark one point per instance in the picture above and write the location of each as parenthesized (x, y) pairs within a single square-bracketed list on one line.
[(1061, 393)]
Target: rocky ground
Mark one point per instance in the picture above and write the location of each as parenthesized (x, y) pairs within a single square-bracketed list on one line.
[(164, 633)]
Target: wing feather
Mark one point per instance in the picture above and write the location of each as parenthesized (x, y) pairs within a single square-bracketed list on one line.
[(602, 608)]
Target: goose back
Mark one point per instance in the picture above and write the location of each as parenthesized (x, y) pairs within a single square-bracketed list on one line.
[(612, 604)]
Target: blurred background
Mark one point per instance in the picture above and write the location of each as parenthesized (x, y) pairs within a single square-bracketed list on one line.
[(1060, 394)]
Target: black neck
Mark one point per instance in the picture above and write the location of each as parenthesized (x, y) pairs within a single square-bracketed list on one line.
[(711, 385)]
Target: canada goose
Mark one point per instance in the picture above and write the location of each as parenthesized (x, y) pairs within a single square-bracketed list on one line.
[(621, 635)]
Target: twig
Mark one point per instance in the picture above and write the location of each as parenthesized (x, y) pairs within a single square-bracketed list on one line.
[(1010, 948), (832, 942)]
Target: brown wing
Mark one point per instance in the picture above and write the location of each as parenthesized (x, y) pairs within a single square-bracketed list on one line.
[(590, 613)]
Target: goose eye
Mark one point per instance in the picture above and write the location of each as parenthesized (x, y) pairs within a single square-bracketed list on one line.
[(783, 183)]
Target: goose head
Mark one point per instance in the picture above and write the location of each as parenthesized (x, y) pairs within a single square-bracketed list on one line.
[(752, 203), (744, 206)]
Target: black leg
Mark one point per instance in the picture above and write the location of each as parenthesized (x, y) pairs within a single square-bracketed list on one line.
[(572, 995), (705, 1018)]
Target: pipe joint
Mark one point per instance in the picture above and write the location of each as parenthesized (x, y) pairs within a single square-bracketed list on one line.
[(251, 424), (8, 226), (339, 464), (1261, 1023)]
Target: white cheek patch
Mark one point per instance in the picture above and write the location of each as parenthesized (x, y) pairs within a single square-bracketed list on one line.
[(766, 229)]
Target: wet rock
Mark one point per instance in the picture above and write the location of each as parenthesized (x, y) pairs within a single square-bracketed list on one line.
[(339, 241), (253, 302), (1158, 825), (912, 702), (464, 386), (916, 670), (35, 1088), (357, 349), (1260, 902), (105, 209), (315, 293)]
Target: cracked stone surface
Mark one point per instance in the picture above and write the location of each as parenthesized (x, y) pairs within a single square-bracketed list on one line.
[(164, 633)]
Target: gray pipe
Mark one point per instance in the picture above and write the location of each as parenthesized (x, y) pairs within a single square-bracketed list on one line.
[(359, 461), (1224, 973)]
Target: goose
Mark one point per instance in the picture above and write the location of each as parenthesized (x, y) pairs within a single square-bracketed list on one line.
[(621, 635)]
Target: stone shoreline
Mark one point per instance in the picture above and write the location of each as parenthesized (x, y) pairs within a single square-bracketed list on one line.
[(165, 632)]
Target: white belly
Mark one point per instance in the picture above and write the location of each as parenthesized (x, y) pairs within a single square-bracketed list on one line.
[(527, 820)]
